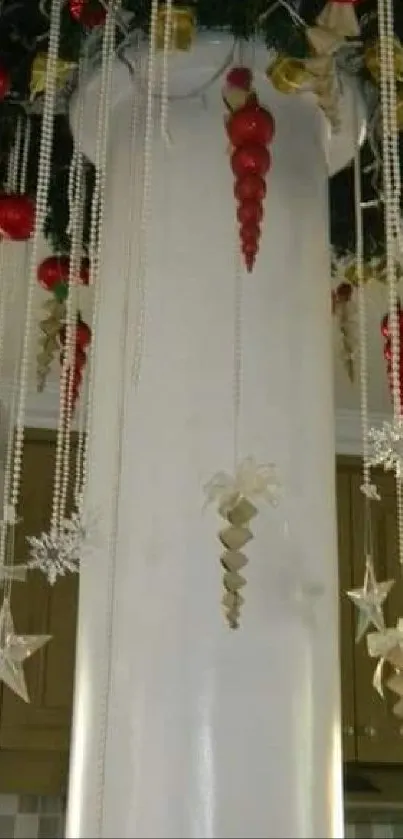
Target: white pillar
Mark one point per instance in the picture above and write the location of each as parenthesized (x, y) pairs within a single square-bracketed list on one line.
[(204, 732)]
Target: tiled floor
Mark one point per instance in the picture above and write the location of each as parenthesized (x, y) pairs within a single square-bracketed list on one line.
[(31, 817)]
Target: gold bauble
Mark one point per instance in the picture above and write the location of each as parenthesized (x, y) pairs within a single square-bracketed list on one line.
[(351, 275), (183, 28), (287, 74), (37, 83), (372, 60)]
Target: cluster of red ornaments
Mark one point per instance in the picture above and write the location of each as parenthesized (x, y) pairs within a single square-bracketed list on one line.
[(387, 348), (250, 129), (53, 274)]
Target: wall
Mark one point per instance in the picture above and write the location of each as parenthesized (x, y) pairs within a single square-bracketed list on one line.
[(31, 817), (375, 829)]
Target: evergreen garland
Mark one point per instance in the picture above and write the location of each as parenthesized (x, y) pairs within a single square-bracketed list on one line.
[(24, 32)]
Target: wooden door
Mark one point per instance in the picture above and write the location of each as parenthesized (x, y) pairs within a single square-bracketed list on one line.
[(378, 731), (343, 489), (43, 726)]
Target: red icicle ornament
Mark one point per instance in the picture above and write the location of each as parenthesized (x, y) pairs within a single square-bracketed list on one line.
[(387, 349), (250, 129)]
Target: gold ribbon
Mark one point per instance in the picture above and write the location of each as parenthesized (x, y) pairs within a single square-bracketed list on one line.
[(38, 73), (316, 75), (339, 18), (387, 646), (182, 25)]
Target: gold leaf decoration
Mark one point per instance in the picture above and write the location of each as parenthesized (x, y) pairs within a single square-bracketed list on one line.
[(234, 537), (49, 327)]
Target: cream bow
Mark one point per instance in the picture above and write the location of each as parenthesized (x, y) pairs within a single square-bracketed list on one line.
[(387, 646), (340, 18), (251, 480)]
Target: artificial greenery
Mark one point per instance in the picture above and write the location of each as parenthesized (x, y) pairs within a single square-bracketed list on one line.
[(24, 32)]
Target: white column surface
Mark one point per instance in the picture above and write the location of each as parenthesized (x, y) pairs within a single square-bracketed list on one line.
[(206, 732)]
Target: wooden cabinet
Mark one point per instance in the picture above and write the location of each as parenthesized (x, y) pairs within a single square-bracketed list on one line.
[(34, 737), (371, 733)]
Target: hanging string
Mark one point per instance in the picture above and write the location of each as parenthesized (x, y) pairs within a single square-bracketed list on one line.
[(165, 73), (237, 339), (97, 224), (76, 222), (16, 180), (44, 163), (392, 195), (145, 213)]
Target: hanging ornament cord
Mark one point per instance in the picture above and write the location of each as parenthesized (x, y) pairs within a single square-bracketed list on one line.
[(392, 195), (368, 489), (139, 221), (76, 195), (97, 225), (168, 19), (45, 153)]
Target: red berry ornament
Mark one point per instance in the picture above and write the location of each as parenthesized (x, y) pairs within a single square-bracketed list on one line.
[(5, 82), (17, 217)]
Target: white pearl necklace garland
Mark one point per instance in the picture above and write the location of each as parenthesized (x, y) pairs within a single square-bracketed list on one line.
[(16, 182), (41, 212), (97, 220), (387, 447)]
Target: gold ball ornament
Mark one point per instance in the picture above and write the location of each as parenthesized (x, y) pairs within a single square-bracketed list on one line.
[(182, 26), (372, 60), (287, 74)]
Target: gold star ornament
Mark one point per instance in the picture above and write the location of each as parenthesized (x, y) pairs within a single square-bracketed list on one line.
[(14, 650), (369, 601)]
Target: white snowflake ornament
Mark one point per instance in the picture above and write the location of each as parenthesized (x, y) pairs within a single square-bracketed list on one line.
[(54, 553), (387, 447)]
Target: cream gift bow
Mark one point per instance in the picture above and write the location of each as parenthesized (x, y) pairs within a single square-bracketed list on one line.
[(251, 480), (380, 645)]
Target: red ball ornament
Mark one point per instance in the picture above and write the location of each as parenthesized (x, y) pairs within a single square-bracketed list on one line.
[(250, 124), (240, 77), (250, 212), (250, 187), (53, 271), (90, 13), (250, 159), (17, 217), (5, 82)]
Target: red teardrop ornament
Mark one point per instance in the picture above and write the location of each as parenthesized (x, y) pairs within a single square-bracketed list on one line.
[(83, 334), (250, 187), (250, 159), (17, 217), (250, 212), (5, 82), (250, 124)]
